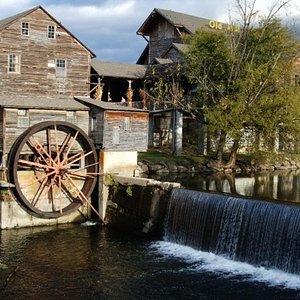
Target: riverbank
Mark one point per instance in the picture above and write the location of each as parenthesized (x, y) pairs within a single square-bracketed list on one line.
[(163, 163)]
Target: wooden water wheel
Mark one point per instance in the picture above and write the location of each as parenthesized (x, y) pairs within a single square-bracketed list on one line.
[(53, 166)]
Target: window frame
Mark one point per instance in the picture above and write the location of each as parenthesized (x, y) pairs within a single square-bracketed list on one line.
[(14, 65), (51, 32), (25, 29), (60, 71)]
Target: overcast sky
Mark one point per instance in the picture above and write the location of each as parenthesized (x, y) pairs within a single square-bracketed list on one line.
[(108, 27)]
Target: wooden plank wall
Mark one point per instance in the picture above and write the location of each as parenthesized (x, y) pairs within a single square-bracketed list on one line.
[(97, 134), (14, 127), (133, 139), (38, 55), (161, 38)]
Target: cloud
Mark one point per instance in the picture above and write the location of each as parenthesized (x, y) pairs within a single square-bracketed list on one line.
[(108, 27)]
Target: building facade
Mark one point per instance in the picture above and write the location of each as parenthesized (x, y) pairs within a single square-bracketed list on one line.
[(40, 56)]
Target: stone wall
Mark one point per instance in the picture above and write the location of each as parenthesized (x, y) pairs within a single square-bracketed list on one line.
[(138, 205)]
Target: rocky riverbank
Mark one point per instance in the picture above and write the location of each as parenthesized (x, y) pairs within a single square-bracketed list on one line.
[(165, 166)]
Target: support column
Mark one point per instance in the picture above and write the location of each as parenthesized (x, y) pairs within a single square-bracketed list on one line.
[(177, 132)]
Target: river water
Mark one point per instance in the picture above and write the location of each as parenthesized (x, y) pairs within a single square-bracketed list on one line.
[(89, 261), (93, 262)]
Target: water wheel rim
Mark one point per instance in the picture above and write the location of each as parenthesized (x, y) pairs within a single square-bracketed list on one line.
[(89, 156)]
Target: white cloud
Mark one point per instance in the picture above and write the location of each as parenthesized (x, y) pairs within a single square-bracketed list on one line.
[(108, 27)]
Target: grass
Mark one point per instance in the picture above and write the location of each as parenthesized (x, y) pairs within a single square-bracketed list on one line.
[(156, 156)]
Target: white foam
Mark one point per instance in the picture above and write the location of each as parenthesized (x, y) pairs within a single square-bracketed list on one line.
[(89, 223), (205, 261)]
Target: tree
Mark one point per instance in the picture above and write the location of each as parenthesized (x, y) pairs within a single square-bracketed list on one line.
[(243, 78)]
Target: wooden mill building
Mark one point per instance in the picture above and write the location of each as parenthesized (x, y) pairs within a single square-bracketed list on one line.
[(43, 66), (40, 56)]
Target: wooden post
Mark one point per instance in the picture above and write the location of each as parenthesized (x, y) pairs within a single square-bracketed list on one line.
[(129, 93), (177, 132)]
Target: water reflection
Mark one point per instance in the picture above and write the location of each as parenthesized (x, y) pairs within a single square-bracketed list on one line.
[(94, 262), (280, 185)]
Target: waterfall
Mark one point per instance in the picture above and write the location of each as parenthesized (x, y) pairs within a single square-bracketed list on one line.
[(259, 232)]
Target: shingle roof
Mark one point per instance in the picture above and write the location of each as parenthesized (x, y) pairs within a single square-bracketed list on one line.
[(5, 22), (163, 61), (119, 70), (11, 19), (187, 22), (106, 105), (41, 102)]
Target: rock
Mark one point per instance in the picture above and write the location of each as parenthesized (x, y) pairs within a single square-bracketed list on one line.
[(156, 167), (182, 169), (142, 167)]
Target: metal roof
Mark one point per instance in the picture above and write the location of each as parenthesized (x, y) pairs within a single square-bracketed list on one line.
[(188, 22), (119, 70), (107, 105), (41, 102), (6, 22)]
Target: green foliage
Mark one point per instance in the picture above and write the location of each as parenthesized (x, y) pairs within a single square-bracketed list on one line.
[(129, 190), (243, 78), (165, 85), (111, 183)]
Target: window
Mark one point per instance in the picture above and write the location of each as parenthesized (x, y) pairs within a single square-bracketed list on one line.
[(116, 135), (71, 116), (23, 118), (127, 123), (25, 29), (94, 124), (14, 63), (51, 32), (61, 68)]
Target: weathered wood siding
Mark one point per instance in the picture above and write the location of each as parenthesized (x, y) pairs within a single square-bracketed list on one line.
[(125, 131), (38, 56), (97, 116), (2, 128), (162, 36), (174, 56), (15, 124)]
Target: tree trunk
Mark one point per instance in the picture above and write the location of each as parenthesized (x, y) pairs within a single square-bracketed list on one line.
[(233, 153), (221, 145)]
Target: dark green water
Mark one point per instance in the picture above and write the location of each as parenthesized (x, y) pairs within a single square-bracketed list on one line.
[(92, 262), (277, 185)]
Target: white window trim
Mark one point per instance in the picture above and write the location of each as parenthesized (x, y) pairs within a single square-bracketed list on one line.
[(17, 65), (51, 34), (59, 74), (25, 28)]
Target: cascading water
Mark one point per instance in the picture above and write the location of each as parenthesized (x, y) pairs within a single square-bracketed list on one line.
[(258, 232)]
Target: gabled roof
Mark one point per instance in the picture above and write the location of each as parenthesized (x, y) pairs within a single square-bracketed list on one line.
[(177, 46), (186, 22), (143, 57), (41, 102), (119, 70), (163, 61), (107, 105), (6, 22)]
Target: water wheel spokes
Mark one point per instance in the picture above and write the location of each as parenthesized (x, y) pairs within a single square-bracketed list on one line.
[(54, 168)]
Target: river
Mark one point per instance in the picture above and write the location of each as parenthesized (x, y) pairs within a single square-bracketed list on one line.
[(90, 261), (94, 262)]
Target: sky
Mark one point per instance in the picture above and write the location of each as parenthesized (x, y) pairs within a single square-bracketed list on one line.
[(108, 27)]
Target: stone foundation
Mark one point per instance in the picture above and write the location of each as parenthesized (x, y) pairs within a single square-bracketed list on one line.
[(138, 205)]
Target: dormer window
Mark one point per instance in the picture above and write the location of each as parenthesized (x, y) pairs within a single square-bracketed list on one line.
[(51, 32), (25, 28)]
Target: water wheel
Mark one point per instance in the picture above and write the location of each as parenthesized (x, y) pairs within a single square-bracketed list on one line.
[(53, 166)]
